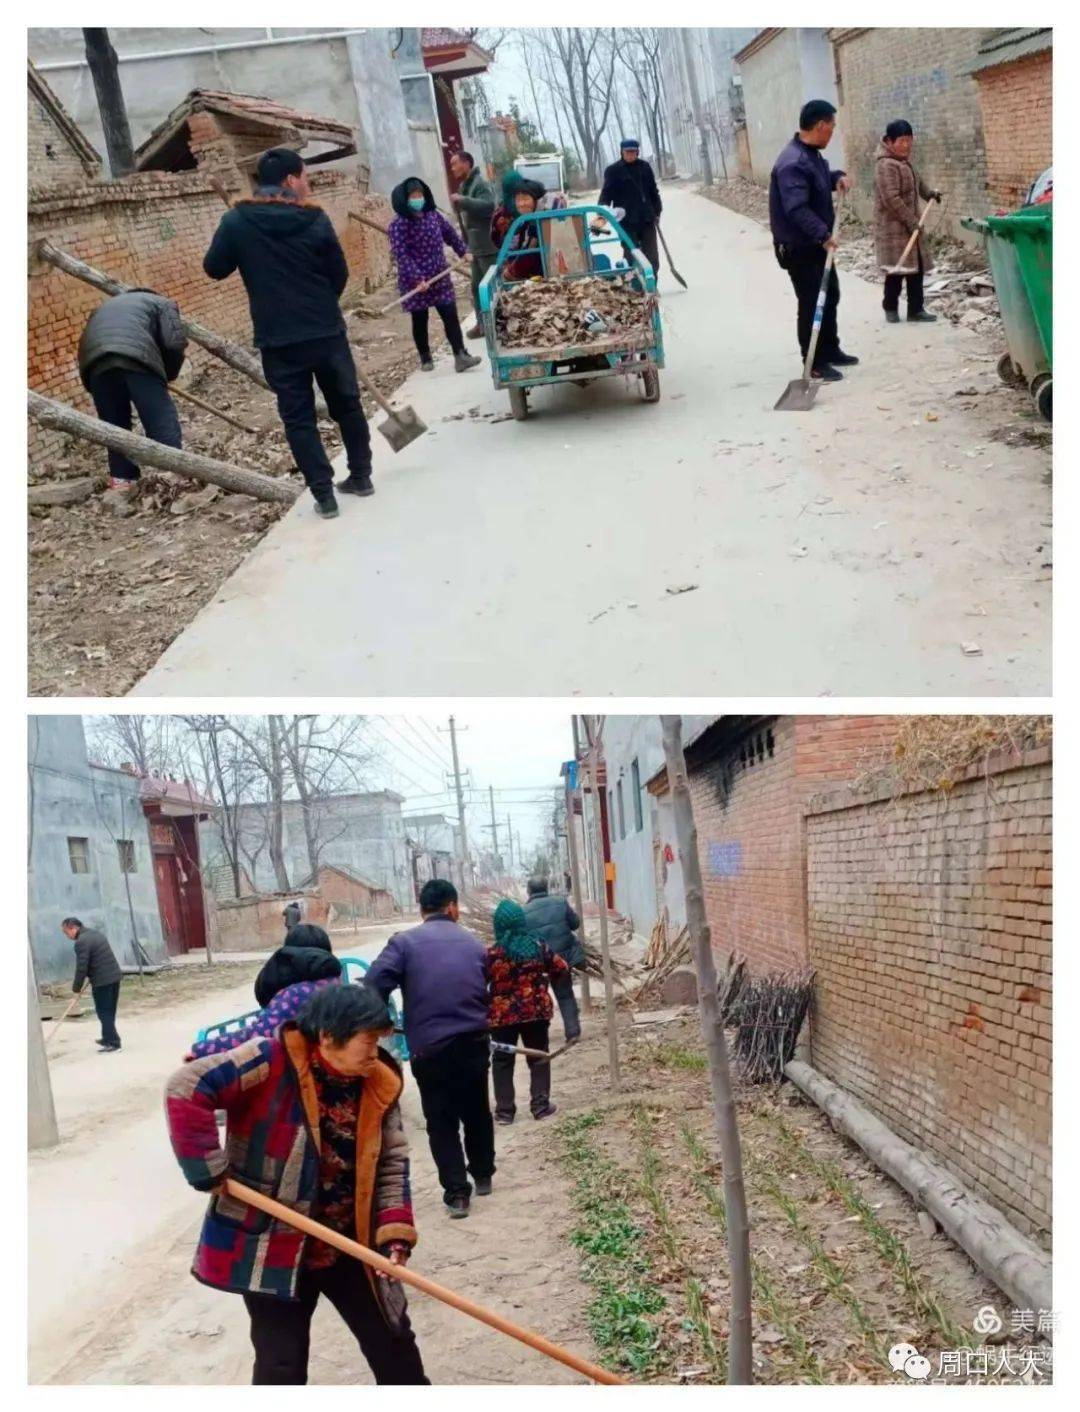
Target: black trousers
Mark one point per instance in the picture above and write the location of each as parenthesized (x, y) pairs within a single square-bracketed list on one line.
[(644, 237), (453, 1084), (480, 266), (329, 362), (115, 391), (893, 283), (450, 322), (805, 268), (563, 986), (534, 1035), (281, 1328), (106, 999)]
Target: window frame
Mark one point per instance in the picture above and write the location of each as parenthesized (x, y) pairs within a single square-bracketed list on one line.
[(84, 844)]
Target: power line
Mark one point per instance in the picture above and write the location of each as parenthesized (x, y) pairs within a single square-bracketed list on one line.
[(437, 755)]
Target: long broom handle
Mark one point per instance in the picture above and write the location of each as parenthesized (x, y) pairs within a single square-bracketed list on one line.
[(819, 314), (421, 1282), (216, 411), (449, 270), (898, 268), (71, 1006)]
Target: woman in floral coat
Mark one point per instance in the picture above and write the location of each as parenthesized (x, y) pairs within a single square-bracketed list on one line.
[(520, 969), (418, 233)]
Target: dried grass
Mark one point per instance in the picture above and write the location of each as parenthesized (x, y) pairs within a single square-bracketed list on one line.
[(934, 752)]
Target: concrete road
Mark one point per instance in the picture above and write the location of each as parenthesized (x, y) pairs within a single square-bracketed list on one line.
[(882, 543)]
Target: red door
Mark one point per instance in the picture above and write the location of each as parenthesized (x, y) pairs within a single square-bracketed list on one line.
[(169, 905)]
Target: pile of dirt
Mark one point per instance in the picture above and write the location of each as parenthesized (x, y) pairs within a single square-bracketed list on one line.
[(544, 313)]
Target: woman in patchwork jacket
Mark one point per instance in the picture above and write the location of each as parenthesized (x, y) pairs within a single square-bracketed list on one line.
[(313, 1121)]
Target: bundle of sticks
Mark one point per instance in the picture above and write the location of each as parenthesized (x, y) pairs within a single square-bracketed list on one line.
[(767, 1014), (663, 957)]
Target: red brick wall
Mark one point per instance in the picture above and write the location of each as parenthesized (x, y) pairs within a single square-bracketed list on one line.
[(153, 229), (929, 925), (1017, 119), (748, 806), (350, 898)]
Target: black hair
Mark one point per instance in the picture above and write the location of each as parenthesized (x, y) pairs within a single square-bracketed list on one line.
[(816, 111), (71, 922), (900, 128), (528, 187), (436, 895), (466, 157), (305, 934), (536, 886), (342, 1011), (274, 166)]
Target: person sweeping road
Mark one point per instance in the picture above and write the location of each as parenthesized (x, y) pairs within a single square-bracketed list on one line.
[(897, 188), (519, 969), (95, 961), (312, 1120), (418, 233)]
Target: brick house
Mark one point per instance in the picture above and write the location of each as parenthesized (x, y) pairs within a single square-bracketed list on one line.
[(349, 897), (56, 150), (1014, 74)]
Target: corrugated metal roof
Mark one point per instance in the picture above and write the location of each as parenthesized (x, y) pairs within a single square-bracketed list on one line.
[(1009, 45)]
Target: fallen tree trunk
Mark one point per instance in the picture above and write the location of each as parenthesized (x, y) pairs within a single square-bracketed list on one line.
[(1015, 1264), (145, 452), (239, 358)]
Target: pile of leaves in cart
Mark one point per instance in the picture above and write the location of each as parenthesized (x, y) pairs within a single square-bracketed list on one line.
[(552, 313)]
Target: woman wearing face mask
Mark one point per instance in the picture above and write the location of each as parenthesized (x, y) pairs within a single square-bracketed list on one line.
[(520, 198), (418, 233)]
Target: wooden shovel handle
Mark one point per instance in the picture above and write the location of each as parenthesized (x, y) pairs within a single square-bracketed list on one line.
[(898, 268), (370, 387), (418, 289), (421, 1282), (71, 1006)]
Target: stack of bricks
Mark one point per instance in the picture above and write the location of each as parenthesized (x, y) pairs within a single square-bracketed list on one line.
[(153, 229), (1017, 114), (748, 807), (930, 926)]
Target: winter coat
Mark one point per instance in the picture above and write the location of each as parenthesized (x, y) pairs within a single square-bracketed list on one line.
[(285, 1006), (439, 969), (95, 961), (519, 989), (801, 187), (291, 262), (477, 205), (553, 921), (137, 328), (272, 1143), (632, 186), (416, 243), (897, 188), (290, 964), (527, 237)]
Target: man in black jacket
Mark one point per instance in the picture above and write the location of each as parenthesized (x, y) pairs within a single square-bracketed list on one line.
[(294, 271), (630, 184), (132, 346), (96, 963), (554, 922)]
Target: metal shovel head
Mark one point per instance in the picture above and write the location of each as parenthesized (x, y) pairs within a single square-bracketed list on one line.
[(798, 396), (401, 427)]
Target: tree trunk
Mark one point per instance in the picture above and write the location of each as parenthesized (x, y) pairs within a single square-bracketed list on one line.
[(239, 358), (145, 452), (105, 71), (298, 768), (740, 1339), (41, 1129), (277, 796)]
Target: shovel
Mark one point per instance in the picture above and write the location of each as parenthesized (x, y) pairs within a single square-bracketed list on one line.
[(898, 268), (800, 392), (674, 272), (401, 426), (547, 1054)]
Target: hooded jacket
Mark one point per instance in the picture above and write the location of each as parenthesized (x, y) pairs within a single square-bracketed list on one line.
[(527, 236), (291, 262), (310, 960), (416, 243), (139, 330)]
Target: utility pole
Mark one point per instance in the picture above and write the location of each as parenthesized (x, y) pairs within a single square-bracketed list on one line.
[(575, 873), (466, 867), (105, 71), (594, 733), (510, 836), (493, 827), (695, 101), (41, 1129)]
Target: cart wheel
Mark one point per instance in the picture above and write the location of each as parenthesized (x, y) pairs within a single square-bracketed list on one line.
[(650, 385), (1042, 390), (1007, 371), (519, 403)]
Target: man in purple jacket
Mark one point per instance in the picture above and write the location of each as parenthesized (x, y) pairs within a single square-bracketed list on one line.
[(441, 970), (802, 218)]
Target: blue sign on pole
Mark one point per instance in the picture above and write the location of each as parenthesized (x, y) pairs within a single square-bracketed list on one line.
[(571, 768)]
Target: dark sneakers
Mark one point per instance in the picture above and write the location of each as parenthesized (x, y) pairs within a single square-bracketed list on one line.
[(826, 373), (458, 1207), (842, 360), (327, 507), (355, 485), (892, 316), (922, 317), (547, 1112), (483, 1186)]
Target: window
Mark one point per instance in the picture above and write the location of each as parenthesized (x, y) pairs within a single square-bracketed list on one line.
[(622, 812), (125, 848), (639, 817), (79, 854)]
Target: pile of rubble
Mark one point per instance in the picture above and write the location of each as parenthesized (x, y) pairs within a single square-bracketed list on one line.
[(551, 313)]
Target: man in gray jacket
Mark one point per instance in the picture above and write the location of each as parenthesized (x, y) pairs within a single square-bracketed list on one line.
[(554, 922), (474, 202), (96, 962), (131, 348)]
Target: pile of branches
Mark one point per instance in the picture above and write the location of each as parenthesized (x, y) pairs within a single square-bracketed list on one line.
[(934, 752), (477, 910), (663, 956), (767, 1015), (551, 313)]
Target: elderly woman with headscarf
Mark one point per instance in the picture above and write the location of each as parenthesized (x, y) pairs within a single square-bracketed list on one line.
[(520, 197), (897, 188), (520, 970)]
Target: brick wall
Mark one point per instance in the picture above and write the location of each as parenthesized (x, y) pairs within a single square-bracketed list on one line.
[(51, 159), (352, 899), (748, 806), (153, 229), (915, 73), (929, 925), (1017, 116)]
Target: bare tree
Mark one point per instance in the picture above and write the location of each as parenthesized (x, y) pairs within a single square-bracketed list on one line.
[(579, 68), (325, 756), (228, 776), (638, 52), (740, 1338)]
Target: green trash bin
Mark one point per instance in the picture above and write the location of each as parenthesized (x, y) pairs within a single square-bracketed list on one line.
[(1020, 250)]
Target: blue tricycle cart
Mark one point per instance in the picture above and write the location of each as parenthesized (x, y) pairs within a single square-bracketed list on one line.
[(349, 964), (569, 249)]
